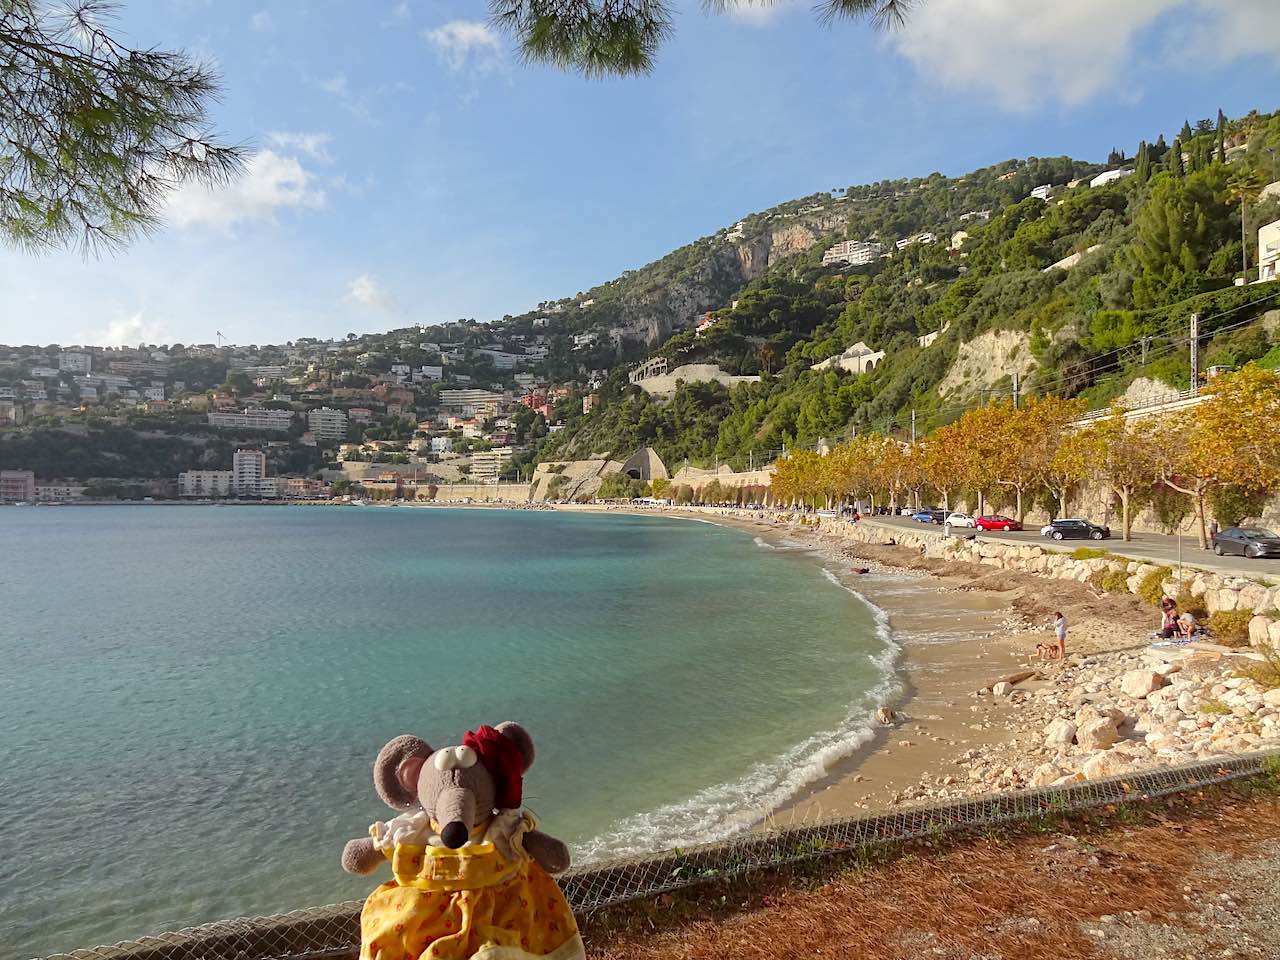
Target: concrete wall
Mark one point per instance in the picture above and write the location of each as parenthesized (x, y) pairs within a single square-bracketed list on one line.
[(480, 493)]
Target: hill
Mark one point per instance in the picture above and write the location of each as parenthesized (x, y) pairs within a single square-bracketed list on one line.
[(1079, 290)]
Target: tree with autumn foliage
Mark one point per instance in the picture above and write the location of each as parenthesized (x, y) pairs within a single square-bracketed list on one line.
[(943, 461), (1228, 439), (1124, 455)]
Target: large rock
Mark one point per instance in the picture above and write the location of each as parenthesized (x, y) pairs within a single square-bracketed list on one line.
[(1104, 764), (1272, 697), (1059, 733), (1251, 596), (1002, 689), (1045, 775), (1139, 683), (1097, 734), (1259, 631)]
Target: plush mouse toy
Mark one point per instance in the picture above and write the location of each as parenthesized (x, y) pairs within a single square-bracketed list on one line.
[(471, 869)]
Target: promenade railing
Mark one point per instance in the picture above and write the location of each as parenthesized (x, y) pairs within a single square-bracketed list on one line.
[(333, 932)]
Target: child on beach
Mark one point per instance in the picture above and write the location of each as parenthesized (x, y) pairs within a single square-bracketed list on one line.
[(1057, 650)]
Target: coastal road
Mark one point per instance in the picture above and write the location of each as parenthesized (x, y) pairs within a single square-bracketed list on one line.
[(1152, 547)]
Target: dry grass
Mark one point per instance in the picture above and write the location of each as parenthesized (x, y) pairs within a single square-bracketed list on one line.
[(999, 896)]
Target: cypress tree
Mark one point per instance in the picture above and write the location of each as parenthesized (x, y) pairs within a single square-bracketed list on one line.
[(1175, 159), (1142, 167), (1186, 134), (1160, 149), (1220, 154)]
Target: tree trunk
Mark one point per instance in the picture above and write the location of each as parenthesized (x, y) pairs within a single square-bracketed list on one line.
[(1062, 503), (1201, 532), (1021, 514), (1126, 521)]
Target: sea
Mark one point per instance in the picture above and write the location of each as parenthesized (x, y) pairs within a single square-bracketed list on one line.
[(191, 697)]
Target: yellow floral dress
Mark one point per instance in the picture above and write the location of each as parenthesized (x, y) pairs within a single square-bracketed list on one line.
[(466, 904)]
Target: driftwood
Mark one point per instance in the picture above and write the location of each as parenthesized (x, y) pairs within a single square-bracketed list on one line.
[(1014, 679)]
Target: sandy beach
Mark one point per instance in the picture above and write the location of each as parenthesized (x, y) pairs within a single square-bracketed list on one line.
[(964, 626)]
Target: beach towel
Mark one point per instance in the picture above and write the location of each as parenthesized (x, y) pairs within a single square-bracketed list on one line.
[(466, 904)]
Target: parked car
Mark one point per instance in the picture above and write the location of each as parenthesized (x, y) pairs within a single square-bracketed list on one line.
[(1247, 542), (997, 522), (929, 515), (959, 520), (1075, 529)]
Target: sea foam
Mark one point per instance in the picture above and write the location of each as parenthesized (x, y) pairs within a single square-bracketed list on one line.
[(726, 809)]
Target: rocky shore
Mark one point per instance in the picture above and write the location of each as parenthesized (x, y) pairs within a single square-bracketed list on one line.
[(1115, 705)]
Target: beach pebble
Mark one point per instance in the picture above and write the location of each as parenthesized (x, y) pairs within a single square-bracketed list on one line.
[(885, 715)]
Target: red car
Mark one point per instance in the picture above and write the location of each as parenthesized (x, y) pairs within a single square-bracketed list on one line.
[(997, 522)]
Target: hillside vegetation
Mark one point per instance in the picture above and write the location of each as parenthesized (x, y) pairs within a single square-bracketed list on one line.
[(1155, 246)]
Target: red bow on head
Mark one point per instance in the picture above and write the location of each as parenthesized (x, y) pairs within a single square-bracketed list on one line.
[(500, 755)]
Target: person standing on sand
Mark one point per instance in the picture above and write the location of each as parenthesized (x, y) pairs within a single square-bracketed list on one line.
[(1060, 631)]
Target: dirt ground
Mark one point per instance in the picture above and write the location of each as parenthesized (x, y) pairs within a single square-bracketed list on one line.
[(1194, 877)]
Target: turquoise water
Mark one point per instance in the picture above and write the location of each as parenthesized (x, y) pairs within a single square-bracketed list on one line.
[(191, 697)]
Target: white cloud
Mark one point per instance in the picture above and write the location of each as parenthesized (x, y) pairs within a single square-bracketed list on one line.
[(356, 106), (368, 292), (127, 331), (1026, 52), (312, 145), (399, 13), (271, 182), (262, 22), (466, 42), (759, 13), (1248, 28)]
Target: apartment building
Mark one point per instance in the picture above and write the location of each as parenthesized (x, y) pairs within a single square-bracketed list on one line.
[(327, 423), (17, 486), (854, 253), (488, 465), (205, 484), (249, 470), (252, 418)]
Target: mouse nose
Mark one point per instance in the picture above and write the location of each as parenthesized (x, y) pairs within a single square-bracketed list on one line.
[(454, 834)]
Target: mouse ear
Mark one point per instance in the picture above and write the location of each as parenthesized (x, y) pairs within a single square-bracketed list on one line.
[(513, 731), (395, 772)]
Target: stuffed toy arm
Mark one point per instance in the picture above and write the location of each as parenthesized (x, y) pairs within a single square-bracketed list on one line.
[(511, 830), (552, 855), (361, 857)]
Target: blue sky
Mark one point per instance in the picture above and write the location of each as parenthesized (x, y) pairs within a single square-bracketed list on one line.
[(409, 169)]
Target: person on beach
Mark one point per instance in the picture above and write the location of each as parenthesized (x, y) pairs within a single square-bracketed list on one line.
[(1187, 625), (1168, 617), (1060, 631)]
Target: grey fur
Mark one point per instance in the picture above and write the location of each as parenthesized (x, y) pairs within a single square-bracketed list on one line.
[(405, 778)]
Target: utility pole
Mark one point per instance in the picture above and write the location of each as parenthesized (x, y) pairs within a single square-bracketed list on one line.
[(1195, 351), (1017, 389), (913, 426), (1143, 341), (751, 460)]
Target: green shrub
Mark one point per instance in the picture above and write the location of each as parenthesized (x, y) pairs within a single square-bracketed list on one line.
[(1115, 581), (1087, 553), (1189, 604), (1231, 627), (1215, 707), (1169, 506), (1149, 587)]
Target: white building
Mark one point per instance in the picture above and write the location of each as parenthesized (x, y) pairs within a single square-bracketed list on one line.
[(205, 483), (487, 465), (252, 418), (855, 253), (925, 237), (501, 359), (1110, 176), (327, 423), (441, 445), (583, 340), (59, 492), (653, 367), (433, 373), (44, 373), (249, 469), (153, 393), (75, 361), (1269, 252), (1042, 192), (467, 399)]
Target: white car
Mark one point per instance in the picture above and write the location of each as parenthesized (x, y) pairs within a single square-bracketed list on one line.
[(958, 520)]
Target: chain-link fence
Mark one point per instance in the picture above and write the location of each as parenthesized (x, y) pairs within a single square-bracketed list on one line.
[(333, 932)]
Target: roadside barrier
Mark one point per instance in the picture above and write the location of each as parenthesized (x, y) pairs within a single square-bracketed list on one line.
[(333, 932)]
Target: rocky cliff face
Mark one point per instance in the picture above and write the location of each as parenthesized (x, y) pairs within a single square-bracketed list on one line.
[(712, 282)]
